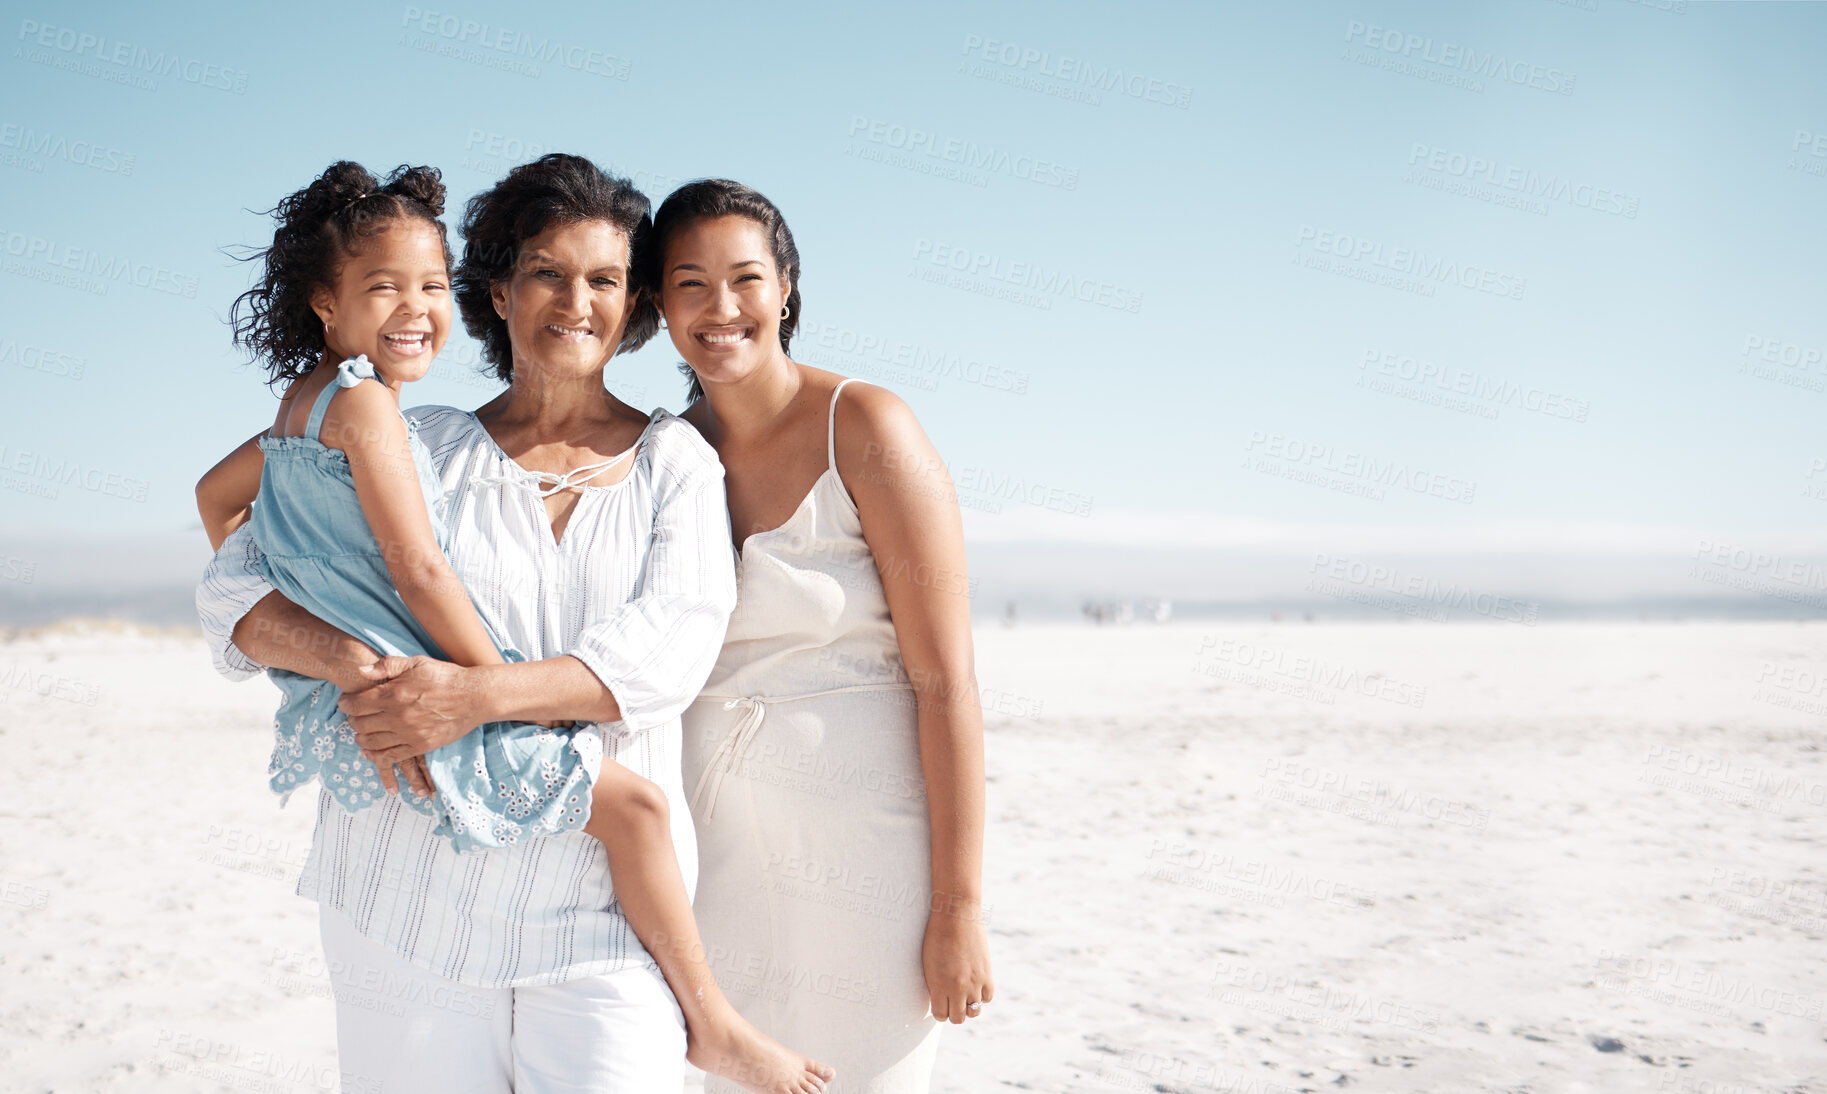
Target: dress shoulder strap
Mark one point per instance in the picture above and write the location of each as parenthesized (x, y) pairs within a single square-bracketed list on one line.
[(348, 374), (831, 424), (318, 409)]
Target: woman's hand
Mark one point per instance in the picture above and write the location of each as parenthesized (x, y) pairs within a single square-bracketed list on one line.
[(415, 705), (413, 773), (956, 957)]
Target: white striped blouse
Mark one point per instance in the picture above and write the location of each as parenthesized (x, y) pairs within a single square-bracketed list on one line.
[(640, 589)]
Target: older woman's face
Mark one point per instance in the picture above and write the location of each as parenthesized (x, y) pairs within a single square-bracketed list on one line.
[(567, 301)]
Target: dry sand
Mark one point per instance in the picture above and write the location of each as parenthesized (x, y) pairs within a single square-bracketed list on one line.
[(1402, 857)]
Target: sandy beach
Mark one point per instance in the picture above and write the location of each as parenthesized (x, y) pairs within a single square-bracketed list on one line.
[(1263, 858)]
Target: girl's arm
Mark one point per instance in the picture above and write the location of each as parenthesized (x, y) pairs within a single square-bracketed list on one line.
[(225, 493), (279, 634), (909, 511), (364, 422)]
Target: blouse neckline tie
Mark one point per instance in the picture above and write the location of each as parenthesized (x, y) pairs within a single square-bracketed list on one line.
[(555, 483)]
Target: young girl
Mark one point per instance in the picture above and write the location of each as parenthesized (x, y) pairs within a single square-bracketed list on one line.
[(342, 496)]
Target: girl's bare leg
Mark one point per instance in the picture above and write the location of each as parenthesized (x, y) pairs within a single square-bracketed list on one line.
[(630, 816)]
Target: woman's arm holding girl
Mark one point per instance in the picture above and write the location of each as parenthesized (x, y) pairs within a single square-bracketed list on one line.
[(639, 666)]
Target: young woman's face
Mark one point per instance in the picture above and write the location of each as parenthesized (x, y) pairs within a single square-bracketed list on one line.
[(392, 301), (567, 301), (721, 295)]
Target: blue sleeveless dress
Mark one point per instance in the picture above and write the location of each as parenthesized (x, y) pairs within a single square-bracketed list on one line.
[(494, 783)]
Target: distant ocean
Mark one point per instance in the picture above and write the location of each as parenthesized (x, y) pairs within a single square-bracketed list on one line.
[(151, 579)]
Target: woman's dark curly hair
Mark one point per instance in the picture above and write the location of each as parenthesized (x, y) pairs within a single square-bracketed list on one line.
[(321, 227), (708, 199), (554, 189)]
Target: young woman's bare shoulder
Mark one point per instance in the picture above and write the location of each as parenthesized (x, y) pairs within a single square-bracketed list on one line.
[(879, 438), (874, 413)]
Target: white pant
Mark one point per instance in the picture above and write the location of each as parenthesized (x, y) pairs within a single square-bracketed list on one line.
[(402, 1030)]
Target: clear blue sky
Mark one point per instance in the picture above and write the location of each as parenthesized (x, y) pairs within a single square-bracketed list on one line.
[(1304, 132)]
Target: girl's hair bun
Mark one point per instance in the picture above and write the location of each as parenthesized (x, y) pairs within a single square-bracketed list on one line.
[(424, 185), (340, 187)]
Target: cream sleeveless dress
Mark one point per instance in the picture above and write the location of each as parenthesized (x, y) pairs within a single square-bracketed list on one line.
[(815, 859)]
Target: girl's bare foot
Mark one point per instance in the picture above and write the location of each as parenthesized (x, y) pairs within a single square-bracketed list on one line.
[(737, 1051)]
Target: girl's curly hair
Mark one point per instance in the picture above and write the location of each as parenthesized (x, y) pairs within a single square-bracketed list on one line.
[(320, 227), (554, 189)]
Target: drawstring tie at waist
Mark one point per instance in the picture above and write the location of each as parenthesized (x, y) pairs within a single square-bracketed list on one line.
[(729, 753), (736, 743)]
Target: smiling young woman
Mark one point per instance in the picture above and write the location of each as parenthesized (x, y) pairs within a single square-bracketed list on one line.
[(836, 755)]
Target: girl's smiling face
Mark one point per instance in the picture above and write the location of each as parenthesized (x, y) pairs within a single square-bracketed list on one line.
[(722, 294), (568, 300), (391, 302)]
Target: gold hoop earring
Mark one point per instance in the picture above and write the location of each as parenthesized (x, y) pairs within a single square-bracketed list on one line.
[(785, 311)]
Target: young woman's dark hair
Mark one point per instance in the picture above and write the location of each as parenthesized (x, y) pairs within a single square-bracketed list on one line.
[(320, 228), (554, 189), (708, 199)]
